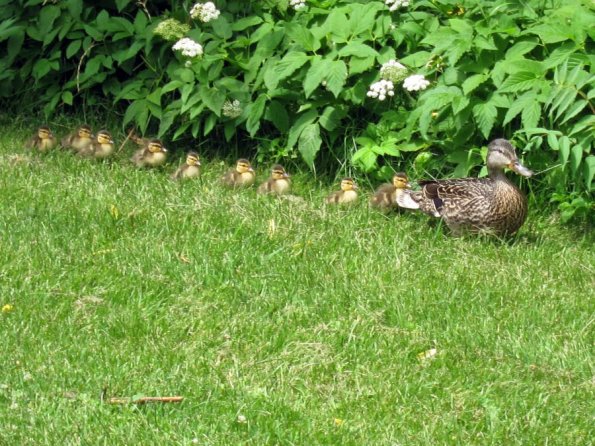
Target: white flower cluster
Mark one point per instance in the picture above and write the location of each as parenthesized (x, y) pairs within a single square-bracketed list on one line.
[(232, 109), (416, 82), (393, 71), (297, 4), (188, 47), (393, 5), (205, 12), (381, 90)]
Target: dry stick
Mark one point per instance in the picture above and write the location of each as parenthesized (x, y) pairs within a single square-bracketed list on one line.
[(78, 68), (143, 4), (147, 399), (126, 140)]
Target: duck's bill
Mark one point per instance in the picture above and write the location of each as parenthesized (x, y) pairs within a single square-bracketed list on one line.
[(520, 169)]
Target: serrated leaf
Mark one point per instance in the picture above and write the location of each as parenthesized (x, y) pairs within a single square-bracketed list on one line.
[(138, 112), (552, 32), (519, 49), (246, 22), (284, 68), (213, 98), (523, 80), (472, 82), (589, 171), (531, 114), (365, 158), (359, 65), (331, 118), (564, 149), (357, 49), (518, 105), (255, 112), (574, 110), (485, 115), (315, 74), (302, 35), (564, 100), (336, 77), (302, 121), (576, 156), (309, 143), (277, 114)]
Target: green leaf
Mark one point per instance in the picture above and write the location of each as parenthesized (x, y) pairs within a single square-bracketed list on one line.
[(284, 68), (139, 112), (334, 25), (246, 22), (472, 82), (574, 110), (531, 114), (523, 80), (518, 105), (222, 28), (315, 74), (576, 156), (462, 26), (589, 171), (359, 65), (47, 17), (331, 118), (213, 98), (485, 115), (277, 114), (553, 141), (300, 123), (336, 77), (519, 49), (121, 4), (166, 122), (67, 97), (209, 124), (365, 158), (255, 112), (552, 32), (309, 143), (73, 48), (303, 36), (416, 60), (41, 68), (564, 149), (357, 49)]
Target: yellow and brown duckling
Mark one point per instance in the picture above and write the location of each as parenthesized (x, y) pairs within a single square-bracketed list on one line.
[(102, 146), (43, 141), (190, 169), (153, 154), (279, 182), (492, 205), (241, 176), (78, 140), (347, 194), (392, 195)]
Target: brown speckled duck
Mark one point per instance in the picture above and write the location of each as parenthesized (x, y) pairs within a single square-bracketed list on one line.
[(153, 154), (491, 205), (240, 176), (347, 194), (80, 139), (190, 169), (43, 141), (278, 183), (102, 146), (392, 195)]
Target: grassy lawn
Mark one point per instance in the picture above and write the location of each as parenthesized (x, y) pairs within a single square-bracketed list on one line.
[(303, 321)]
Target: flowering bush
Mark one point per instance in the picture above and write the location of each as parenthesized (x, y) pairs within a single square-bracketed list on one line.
[(416, 83)]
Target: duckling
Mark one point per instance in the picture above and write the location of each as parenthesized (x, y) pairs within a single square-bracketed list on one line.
[(241, 176), (43, 141), (347, 194), (101, 147), (390, 196), (153, 154), (278, 183), (190, 169), (78, 140), (491, 205)]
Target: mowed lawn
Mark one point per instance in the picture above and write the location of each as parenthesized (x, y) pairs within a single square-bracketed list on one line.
[(281, 322)]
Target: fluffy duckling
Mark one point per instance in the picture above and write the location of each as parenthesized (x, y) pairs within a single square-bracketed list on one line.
[(278, 183), (78, 140), (43, 141), (153, 154), (101, 147), (390, 195), (190, 169), (241, 176), (347, 194)]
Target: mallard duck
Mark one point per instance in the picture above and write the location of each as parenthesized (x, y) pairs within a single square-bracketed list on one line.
[(190, 169), (490, 205), (101, 147), (347, 194), (43, 141), (241, 175), (395, 194), (153, 154), (78, 140), (278, 183)]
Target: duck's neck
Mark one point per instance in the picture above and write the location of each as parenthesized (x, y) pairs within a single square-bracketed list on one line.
[(497, 174)]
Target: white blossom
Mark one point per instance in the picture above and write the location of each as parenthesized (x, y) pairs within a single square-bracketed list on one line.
[(416, 82), (297, 4), (393, 71), (242, 419), (393, 5), (205, 12), (381, 90), (232, 109), (188, 47)]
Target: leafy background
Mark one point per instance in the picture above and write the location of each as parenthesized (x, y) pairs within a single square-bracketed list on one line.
[(518, 69)]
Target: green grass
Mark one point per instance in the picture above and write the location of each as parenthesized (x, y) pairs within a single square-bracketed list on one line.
[(122, 279)]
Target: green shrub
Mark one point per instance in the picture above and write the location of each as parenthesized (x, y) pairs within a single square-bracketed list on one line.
[(299, 80)]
